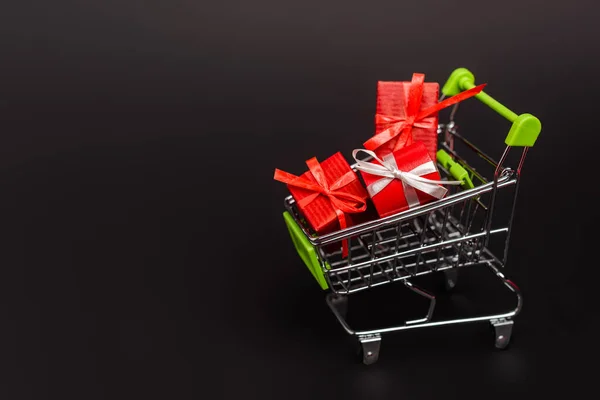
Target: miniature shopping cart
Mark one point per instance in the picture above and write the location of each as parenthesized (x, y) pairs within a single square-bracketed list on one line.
[(463, 229)]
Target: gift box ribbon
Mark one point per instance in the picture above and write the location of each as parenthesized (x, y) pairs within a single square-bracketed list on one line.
[(341, 201), (411, 180), (402, 126)]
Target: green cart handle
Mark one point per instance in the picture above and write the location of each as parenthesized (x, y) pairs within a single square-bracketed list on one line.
[(525, 128)]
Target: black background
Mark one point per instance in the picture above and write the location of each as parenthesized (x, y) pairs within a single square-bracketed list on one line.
[(142, 250)]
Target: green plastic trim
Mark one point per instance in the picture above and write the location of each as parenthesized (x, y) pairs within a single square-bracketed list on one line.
[(306, 250), (524, 131), (455, 169), (525, 128), (452, 87)]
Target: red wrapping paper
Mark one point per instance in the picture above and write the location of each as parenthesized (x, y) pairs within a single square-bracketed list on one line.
[(391, 199), (392, 99), (407, 112), (327, 205)]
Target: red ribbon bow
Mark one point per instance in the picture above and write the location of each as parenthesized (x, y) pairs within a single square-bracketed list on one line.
[(402, 126), (342, 202)]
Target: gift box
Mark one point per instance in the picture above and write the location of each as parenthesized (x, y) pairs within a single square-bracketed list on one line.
[(407, 112), (403, 179), (327, 195)]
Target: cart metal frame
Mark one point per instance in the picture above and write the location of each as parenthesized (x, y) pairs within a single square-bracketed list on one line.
[(441, 236)]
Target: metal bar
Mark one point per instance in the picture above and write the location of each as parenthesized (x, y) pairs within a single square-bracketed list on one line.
[(443, 232), (350, 250), (469, 144), (493, 199), (509, 284), (359, 288), (406, 266), (408, 214), (424, 294), (478, 201), (522, 161), (514, 205), (390, 240), (289, 202), (410, 265), (373, 241), (438, 323), (470, 225), (453, 112), (414, 251), (462, 213), (341, 282), (427, 252), (397, 248), (422, 239), (383, 249)]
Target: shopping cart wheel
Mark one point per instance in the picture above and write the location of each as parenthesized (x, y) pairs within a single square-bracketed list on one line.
[(451, 276), (369, 348), (503, 332)]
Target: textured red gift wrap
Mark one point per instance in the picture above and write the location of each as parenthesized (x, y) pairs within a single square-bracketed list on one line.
[(391, 199), (407, 112), (392, 100), (320, 213)]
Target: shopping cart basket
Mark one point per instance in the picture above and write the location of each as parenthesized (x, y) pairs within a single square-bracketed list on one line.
[(444, 235)]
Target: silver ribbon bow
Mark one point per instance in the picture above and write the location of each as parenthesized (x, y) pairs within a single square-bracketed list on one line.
[(411, 180)]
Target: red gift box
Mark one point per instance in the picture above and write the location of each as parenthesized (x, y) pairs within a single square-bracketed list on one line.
[(407, 112), (401, 180), (327, 194)]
